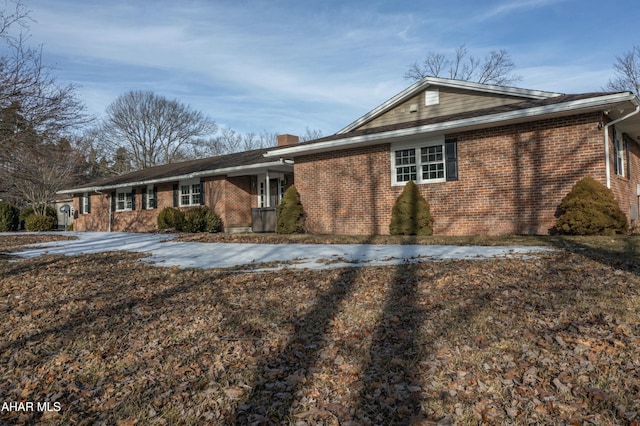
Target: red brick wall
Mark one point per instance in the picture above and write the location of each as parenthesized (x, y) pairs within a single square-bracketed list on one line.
[(511, 181), (625, 187), (229, 197)]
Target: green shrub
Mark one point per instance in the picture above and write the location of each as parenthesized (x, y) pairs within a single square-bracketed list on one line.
[(28, 211), (290, 214), (590, 209), (170, 218), (411, 214), (9, 217), (195, 219), (213, 223), (40, 223)]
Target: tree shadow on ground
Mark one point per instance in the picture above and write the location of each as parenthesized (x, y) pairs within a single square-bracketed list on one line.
[(618, 252)]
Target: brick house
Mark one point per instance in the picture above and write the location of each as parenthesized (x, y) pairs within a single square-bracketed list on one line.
[(489, 159), (243, 188)]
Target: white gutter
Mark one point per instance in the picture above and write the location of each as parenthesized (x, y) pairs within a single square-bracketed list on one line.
[(573, 106), (606, 143), (204, 173)]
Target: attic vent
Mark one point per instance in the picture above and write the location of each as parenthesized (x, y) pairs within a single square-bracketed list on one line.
[(431, 97), (413, 108)]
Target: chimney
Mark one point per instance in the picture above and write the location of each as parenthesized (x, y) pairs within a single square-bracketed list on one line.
[(284, 140)]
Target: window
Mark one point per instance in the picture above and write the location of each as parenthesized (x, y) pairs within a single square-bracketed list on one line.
[(434, 160), (190, 194), (85, 203), (405, 160), (619, 151), (124, 200), (151, 197)]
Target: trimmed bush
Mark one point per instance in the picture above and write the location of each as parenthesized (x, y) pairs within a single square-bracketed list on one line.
[(195, 219), (590, 209), (213, 223), (40, 223), (28, 211), (9, 217), (170, 218), (290, 214), (411, 214)]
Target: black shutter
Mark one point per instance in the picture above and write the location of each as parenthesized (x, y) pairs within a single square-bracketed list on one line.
[(201, 193), (81, 204), (154, 204), (88, 203), (451, 158), (133, 199), (175, 195), (145, 203), (113, 201)]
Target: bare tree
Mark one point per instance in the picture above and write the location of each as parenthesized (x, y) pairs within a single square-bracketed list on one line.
[(154, 129), (496, 68), (627, 70), (35, 114), (310, 134)]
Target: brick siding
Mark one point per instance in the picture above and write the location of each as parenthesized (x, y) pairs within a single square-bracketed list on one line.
[(511, 181), (231, 198)]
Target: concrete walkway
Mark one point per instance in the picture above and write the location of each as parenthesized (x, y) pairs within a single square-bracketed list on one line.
[(165, 252)]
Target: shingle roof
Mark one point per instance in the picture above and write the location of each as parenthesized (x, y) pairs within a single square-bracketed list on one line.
[(238, 159), (531, 103)]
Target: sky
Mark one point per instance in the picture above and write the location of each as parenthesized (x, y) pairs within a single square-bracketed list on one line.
[(283, 66)]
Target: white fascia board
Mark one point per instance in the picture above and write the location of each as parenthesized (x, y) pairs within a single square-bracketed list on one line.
[(237, 171), (445, 82), (459, 125)]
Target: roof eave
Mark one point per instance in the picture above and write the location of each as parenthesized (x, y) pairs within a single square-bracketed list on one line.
[(579, 106), (225, 171)]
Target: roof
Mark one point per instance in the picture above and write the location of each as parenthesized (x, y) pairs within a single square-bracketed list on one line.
[(534, 108), (426, 82), (239, 163)]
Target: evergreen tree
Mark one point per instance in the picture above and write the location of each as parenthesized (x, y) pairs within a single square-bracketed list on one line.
[(411, 214), (290, 214)]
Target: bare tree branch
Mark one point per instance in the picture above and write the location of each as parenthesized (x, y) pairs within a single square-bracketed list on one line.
[(154, 129), (496, 68), (627, 70)]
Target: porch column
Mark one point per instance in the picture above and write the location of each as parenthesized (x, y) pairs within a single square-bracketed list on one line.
[(267, 202)]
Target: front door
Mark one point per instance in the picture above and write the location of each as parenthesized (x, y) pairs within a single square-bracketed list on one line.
[(274, 192)]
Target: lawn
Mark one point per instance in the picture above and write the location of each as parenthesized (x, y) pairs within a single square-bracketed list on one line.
[(106, 339)]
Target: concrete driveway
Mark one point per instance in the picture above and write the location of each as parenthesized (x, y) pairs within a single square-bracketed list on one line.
[(165, 252)]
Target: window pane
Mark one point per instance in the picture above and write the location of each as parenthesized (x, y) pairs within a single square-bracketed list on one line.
[(431, 154), (184, 189), (433, 171)]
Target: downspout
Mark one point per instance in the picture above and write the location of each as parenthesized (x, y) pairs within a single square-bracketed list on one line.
[(606, 143)]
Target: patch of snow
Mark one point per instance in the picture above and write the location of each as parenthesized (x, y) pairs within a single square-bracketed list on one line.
[(163, 251)]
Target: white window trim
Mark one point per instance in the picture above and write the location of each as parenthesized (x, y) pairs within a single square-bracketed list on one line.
[(620, 151), (128, 196), (127, 193), (424, 143), (190, 183), (85, 203), (150, 193)]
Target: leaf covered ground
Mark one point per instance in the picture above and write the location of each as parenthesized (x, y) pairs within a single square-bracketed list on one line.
[(551, 339)]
